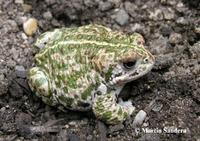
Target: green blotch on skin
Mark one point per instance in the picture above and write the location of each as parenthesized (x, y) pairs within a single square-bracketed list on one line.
[(100, 105), (67, 100), (59, 65), (99, 108), (107, 115), (87, 92), (58, 81), (120, 112), (97, 80), (108, 74), (65, 90), (125, 114), (72, 81)]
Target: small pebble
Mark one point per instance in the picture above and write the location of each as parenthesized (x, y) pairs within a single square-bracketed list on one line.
[(49, 2), (156, 15), (15, 53), (89, 138), (130, 8), (66, 126), (27, 7), (145, 124), (20, 71), (180, 7), (163, 1), (195, 50), (159, 46), (175, 38), (84, 122), (30, 26), (122, 17), (55, 23), (157, 107), (105, 6), (21, 19), (3, 109), (139, 118), (197, 29), (11, 63), (72, 123), (136, 27), (47, 15), (24, 36), (182, 21), (19, 1), (169, 14), (12, 25)]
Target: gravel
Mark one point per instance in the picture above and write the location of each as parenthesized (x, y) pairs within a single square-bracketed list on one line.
[(168, 13), (171, 31), (3, 85)]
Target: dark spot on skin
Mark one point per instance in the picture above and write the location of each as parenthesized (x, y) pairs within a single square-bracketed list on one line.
[(98, 93), (133, 74), (42, 91), (120, 82), (119, 74)]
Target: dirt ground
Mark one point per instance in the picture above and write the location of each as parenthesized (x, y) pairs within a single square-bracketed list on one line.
[(171, 29)]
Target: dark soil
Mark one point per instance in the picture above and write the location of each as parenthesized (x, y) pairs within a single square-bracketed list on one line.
[(171, 29)]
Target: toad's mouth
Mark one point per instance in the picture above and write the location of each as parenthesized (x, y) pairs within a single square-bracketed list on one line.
[(123, 77)]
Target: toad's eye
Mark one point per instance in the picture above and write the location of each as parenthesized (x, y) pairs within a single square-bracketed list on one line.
[(129, 65)]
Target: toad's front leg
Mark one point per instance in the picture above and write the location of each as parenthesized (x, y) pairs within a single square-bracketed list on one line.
[(106, 108)]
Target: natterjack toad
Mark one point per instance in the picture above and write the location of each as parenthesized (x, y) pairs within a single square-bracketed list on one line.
[(84, 68)]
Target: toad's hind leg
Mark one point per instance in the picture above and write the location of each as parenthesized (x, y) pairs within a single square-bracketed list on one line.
[(40, 84), (106, 108)]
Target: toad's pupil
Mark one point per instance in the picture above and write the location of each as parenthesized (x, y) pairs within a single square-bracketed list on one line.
[(129, 65)]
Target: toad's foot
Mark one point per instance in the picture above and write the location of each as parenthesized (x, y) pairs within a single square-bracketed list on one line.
[(39, 84), (107, 109)]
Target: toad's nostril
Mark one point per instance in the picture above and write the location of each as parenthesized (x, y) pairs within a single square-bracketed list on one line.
[(146, 60)]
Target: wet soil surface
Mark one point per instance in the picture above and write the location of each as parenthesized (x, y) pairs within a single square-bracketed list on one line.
[(171, 29)]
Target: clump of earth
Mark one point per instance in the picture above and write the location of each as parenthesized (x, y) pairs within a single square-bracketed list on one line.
[(171, 29)]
